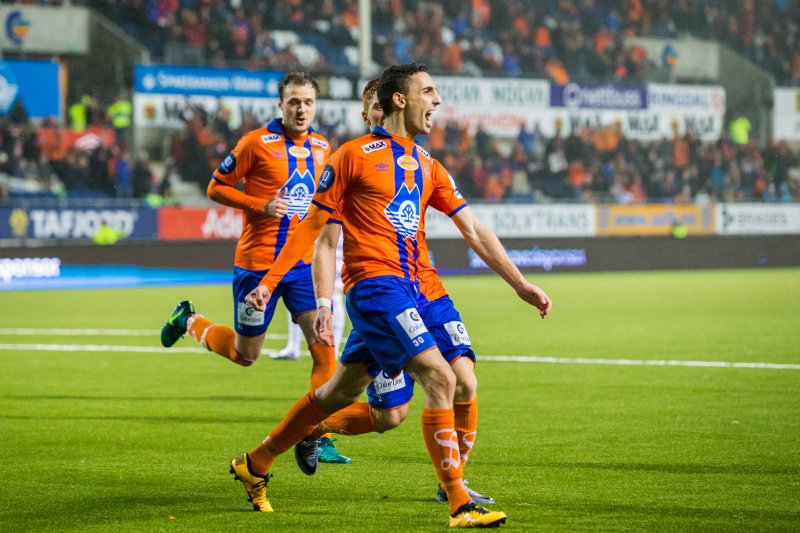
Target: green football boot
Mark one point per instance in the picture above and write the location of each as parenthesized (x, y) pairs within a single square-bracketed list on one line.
[(175, 328)]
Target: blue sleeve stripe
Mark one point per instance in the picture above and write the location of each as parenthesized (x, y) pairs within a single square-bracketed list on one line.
[(457, 209), (334, 221), (323, 207), (215, 178)]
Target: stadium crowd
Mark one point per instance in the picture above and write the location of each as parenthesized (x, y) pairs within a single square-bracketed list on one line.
[(559, 39), (590, 165)]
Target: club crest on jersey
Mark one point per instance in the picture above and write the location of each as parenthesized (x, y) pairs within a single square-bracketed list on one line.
[(319, 142), (300, 152), (319, 155), (455, 187), (403, 212), (326, 180), (299, 190), (228, 164), (375, 145), (407, 162), (271, 138)]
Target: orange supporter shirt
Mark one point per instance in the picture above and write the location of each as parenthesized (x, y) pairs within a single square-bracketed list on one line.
[(268, 162), (381, 185)]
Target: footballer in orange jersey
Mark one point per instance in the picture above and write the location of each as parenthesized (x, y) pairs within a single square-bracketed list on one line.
[(382, 183), (389, 396), (279, 166)]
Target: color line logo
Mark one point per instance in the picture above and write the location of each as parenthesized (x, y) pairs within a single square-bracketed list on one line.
[(17, 27)]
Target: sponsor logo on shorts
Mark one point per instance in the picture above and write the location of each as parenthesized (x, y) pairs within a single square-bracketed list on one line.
[(371, 147), (271, 138), (412, 323), (327, 178), (407, 162), (384, 383), (300, 152), (249, 316), (318, 142), (458, 333), (228, 164)]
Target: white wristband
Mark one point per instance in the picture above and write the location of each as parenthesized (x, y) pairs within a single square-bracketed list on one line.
[(324, 302)]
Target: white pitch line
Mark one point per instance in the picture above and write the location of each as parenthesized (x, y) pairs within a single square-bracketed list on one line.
[(96, 348), (103, 348), (635, 362), (487, 358), (74, 332)]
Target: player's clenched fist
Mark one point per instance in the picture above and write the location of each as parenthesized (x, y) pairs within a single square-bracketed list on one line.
[(258, 298), (277, 206)]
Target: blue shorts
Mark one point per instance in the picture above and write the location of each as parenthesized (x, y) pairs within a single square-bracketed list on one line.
[(384, 392), (451, 337), (296, 288), (383, 311), (445, 324)]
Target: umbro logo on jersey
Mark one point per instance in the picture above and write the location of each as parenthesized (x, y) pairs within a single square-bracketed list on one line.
[(318, 142), (271, 138), (407, 162), (381, 167), (371, 147), (300, 152)]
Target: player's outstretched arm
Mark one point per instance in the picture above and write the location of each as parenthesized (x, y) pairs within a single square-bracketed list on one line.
[(232, 197), (324, 274), (295, 248), (488, 247)]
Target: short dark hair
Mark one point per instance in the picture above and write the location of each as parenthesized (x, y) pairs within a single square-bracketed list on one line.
[(298, 78), (396, 79)]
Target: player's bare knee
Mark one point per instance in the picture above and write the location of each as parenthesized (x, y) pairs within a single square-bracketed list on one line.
[(386, 419), (466, 388)]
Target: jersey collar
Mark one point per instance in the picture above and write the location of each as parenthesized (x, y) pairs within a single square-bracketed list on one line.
[(378, 130), (276, 126)]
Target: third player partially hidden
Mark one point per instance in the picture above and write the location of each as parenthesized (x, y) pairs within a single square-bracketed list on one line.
[(382, 184)]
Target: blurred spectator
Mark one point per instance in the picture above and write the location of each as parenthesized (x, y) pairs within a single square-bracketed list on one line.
[(120, 113), (740, 129), (559, 39)]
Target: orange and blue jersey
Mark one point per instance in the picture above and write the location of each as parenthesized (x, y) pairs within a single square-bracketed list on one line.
[(381, 185), (430, 286), (269, 162)]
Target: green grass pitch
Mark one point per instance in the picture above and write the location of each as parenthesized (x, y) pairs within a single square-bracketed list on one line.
[(97, 438)]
